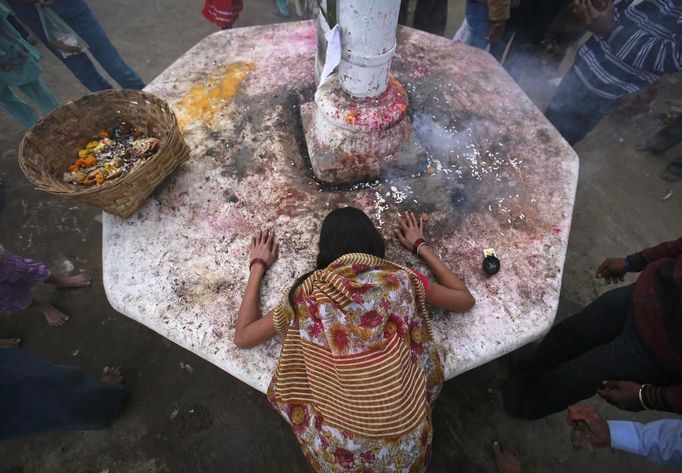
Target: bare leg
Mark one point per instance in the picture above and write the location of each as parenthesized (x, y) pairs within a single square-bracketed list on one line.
[(54, 316), (505, 459), (112, 375), (10, 342), (82, 279)]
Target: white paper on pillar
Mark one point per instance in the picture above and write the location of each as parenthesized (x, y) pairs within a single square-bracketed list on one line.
[(333, 57)]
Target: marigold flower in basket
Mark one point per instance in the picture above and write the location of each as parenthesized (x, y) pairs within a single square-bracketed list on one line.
[(45, 149)]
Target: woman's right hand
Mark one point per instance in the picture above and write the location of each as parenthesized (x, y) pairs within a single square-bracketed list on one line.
[(264, 246), (411, 229)]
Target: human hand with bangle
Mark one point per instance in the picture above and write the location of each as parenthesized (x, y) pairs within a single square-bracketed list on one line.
[(447, 291), (264, 249), (252, 329), (622, 394), (411, 230)]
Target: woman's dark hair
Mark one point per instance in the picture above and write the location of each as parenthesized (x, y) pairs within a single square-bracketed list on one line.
[(345, 230)]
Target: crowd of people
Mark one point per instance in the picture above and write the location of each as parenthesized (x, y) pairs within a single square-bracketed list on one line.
[(359, 371)]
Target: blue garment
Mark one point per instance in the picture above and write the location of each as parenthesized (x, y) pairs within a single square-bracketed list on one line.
[(20, 110), (659, 441), (283, 8), (644, 45), (78, 16), (39, 396), (19, 68), (574, 110), (479, 24)]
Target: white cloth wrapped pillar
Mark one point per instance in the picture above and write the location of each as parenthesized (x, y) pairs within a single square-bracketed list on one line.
[(357, 128), (368, 44)]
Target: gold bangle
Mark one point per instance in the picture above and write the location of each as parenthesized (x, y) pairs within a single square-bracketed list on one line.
[(420, 245)]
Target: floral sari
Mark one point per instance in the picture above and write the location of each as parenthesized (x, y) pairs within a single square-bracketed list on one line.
[(359, 372)]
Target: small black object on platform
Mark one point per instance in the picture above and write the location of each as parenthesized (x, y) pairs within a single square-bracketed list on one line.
[(491, 265)]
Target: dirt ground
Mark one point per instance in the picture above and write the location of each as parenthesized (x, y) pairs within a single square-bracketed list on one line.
[(203, 420)]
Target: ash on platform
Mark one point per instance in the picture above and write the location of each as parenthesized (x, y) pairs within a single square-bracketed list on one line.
[(496, 174)]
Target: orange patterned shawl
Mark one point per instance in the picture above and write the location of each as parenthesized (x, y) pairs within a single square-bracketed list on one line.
[(358, 373)]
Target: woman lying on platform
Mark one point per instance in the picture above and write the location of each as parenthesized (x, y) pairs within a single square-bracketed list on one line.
[(359, 372)]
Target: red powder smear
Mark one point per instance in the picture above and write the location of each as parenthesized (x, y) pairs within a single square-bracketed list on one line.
[(419, 72), (378, 113), (303, 35)]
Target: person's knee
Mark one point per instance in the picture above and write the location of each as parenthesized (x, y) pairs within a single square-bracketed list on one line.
[(614, 304)]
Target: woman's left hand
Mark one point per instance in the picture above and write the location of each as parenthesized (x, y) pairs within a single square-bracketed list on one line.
[(265, 247)]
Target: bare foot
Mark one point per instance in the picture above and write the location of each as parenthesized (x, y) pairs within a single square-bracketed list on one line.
[(10, 342), (54, 316), (505, 459), (112, 375), (82, 279)]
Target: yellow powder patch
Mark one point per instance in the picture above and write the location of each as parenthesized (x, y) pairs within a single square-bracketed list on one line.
[(204, 100)]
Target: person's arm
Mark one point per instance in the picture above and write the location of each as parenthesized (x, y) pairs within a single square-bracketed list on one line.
[(498, 14), (663, 398), (252, 329), (663, 51), (596, 15), (659, 441), (667, 249), (636, 397), (449, 292), (614, 269)]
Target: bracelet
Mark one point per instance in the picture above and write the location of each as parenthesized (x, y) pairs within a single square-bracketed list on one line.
[(628, 265), (417, 243), (258, 260), (641, 398)]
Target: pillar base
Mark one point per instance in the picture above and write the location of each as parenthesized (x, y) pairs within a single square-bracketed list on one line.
[(352, 140)]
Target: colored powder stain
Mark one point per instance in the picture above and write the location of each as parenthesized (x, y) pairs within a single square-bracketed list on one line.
[(351, 116), (419, 72), (381, 112), (204, 100)]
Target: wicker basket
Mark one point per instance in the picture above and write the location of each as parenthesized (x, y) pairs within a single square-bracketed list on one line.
[(52, 144)]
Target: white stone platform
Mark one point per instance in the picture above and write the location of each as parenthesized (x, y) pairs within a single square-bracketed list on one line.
[(498, 176)]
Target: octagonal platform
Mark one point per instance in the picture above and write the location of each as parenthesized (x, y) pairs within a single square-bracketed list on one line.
[(497, 175)]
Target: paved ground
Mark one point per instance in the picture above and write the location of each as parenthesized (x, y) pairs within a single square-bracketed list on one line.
[(203, 420)]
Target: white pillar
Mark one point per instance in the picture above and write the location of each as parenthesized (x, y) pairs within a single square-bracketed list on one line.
[(367, 44)]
